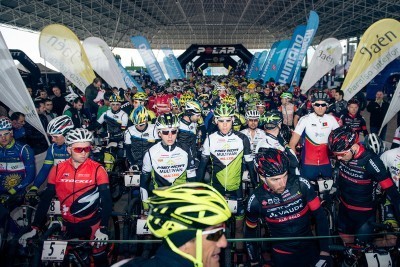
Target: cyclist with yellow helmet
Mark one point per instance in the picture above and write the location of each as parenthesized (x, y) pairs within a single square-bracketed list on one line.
[(240, 120), (139, 137), (228, 149), (140, 99), (193, 238)]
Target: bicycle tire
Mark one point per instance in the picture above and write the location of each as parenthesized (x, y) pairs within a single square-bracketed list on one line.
[(114, 234)]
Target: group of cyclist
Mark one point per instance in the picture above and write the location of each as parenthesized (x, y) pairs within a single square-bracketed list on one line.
[(192, 142)]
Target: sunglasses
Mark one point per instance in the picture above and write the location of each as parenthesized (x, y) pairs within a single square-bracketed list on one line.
[(5, 134), (80, 149), (214, 234), (320, 104), (166, 132), (253, 120), (342, 154), (226, 120)]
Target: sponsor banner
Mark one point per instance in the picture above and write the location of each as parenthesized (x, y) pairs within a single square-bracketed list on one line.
[(276, 61), (259, 65), (379, 45), (268, 60), (103, 61), (174, 65), (394, 107), (216, 50), (59, 46), (153, 68), (253, 64), (286, 69), (13, 91), (325, 58), (312, 26), (128, 79)]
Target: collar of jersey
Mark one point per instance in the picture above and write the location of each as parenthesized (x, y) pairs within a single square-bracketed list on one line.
[(228, 134), (10, 144), (142, 131), (168, 148)]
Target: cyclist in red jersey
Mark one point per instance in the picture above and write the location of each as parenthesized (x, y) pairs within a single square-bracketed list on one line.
[(82, 187)]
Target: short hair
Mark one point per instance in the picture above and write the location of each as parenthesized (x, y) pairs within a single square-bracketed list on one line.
[(340, 92), (38, 102), (16, 115), (48, 100), (96, 80), (78, 100)]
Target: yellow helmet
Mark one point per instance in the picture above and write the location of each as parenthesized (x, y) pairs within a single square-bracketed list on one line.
[(230, 100), (139, 115), (115, 98), (190, 206), (140, 96)]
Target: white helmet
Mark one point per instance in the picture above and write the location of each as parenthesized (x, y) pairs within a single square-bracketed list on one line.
[(79, 135), (60, 125), (252, 114), (71, 97), (374, 143)]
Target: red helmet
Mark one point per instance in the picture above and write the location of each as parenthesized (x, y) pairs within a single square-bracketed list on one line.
[(342, 139), (270, 162)]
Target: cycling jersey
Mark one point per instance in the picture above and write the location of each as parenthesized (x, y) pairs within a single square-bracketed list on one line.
[(239, 121), (304, 109), (391, 160), (188, 134), (116, 123), (166, 166), (162, 104), (258, 136), (396, 138), (17, 167), (356, 122), (357, 177), (227, 153), (288, 112), (55, 154), (138, 142), (287, 215), (77, 189), (315, 131)]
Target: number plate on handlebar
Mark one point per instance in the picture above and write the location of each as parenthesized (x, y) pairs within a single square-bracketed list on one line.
[(54, 250), (325, 185), (232, 204), (378, 259), (142, 228), (54, 208), (132, 179)]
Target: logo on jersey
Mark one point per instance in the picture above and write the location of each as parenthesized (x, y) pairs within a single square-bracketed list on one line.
[(86, 204), (325, 124)]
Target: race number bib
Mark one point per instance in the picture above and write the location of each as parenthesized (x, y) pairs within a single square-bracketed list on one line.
[(54, 250), (54, 208), (325, 185), (378, 260), (232, 204), (142, 228), (132, 179)]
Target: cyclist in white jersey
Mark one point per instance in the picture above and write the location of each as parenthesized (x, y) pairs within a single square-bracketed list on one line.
[(254, 134)]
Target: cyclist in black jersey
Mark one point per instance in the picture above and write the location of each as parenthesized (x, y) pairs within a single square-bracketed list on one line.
[(285, 202), (188, 126), (359, 170)]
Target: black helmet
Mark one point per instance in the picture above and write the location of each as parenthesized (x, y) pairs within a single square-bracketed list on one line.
[(285, 132), (271, 119), (342, 139), (269, 162), (319, 96)]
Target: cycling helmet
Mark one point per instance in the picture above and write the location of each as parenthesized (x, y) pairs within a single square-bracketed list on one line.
[(251, 86), (260, 104), (167, 120), (252, 114), (115, 98), (60, 125), (374, 143), (286, 95), (230, 100), (319, 96), (214, 92), (285, 132), (204, 97), (271, 119), (71, 97), (174, 102), (189, 207), (139, 115), (140, 96), (270, 162), (224, 110), (5, 124), (342, 139), (79, 135), (193, 107)]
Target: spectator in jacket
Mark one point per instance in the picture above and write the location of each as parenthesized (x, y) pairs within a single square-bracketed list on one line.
[(378, 109)]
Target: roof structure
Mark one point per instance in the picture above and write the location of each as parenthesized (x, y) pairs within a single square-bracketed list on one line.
[(179, 23)]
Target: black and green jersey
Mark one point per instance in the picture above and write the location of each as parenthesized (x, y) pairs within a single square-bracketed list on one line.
[(227, 153)]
